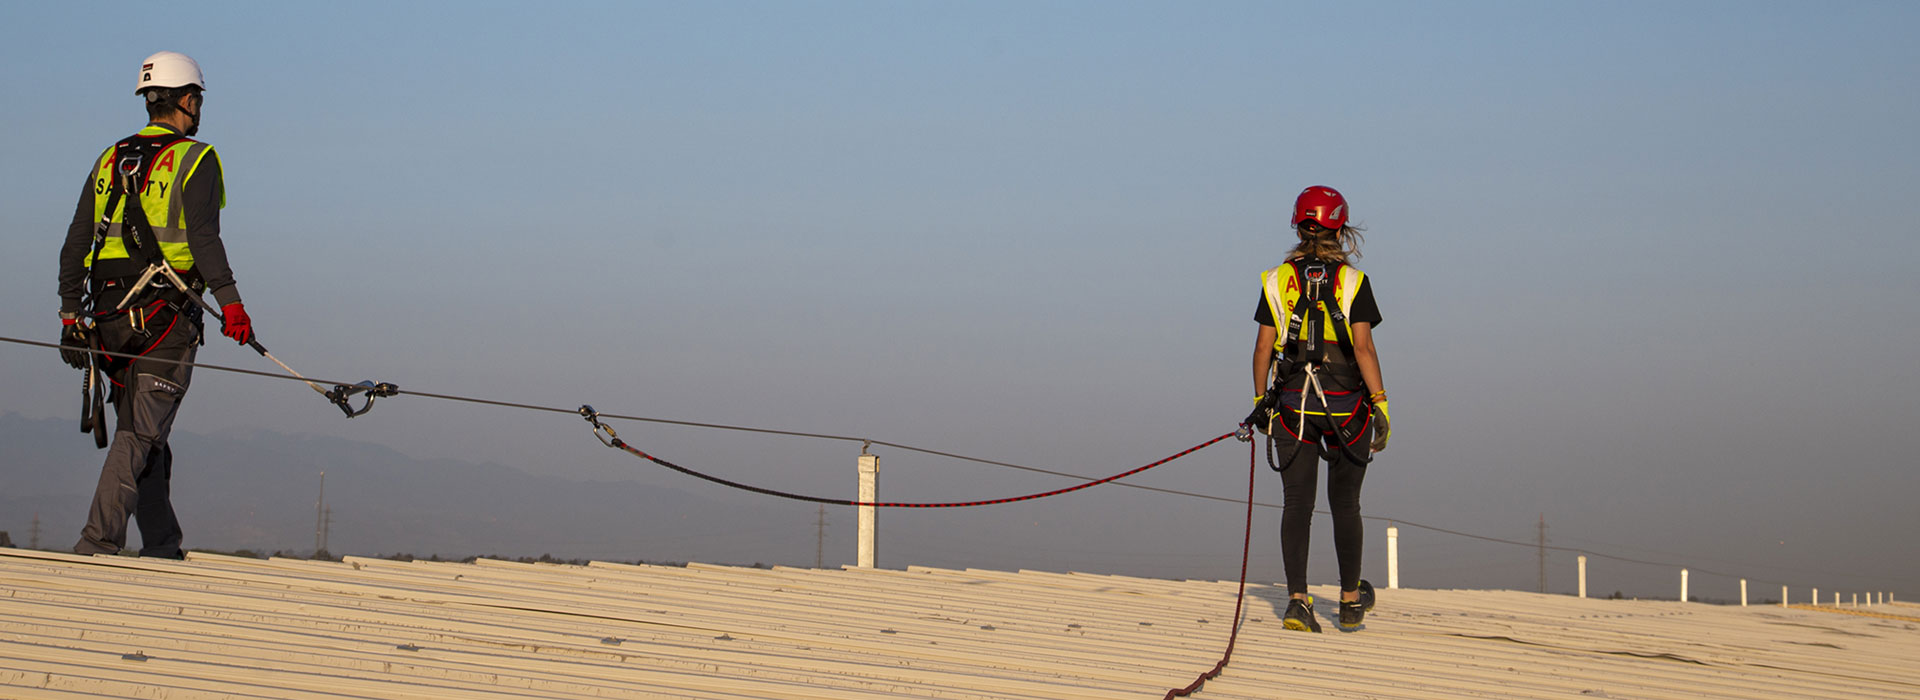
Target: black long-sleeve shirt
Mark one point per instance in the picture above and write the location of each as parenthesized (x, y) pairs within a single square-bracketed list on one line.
[(202, 195)]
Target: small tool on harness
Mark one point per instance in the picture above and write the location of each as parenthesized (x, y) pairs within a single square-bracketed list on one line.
[(93, 412), (93, 405)]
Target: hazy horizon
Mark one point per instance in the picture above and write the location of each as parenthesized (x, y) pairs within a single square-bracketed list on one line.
[(1644, 268)]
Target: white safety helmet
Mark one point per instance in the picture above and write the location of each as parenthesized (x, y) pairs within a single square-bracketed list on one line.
[(169, 70)]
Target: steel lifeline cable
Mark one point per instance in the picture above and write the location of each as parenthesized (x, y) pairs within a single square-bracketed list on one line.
[(610, 438), (396, 391), (344, 389)]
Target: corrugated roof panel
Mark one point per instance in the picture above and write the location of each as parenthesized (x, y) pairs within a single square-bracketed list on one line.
[(217, 626)]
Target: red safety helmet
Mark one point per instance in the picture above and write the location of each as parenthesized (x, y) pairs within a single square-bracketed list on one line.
[(1323, 205)]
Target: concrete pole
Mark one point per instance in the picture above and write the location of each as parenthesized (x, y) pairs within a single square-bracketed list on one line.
[(1783, 596), (1683, 585), (1816, 597), (1836, 599), (1393, 556), (1743, 593), (1856, 600), (869, 515), (1583, 575)]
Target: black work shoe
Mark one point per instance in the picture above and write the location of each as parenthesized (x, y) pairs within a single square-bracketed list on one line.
[(1300, 616), (1352, 613)]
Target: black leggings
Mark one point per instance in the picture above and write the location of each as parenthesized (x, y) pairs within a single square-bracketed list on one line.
[(1302, 479), (1296, 517)]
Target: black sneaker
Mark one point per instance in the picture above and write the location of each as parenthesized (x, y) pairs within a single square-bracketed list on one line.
[(1352, 613), (1300, 616)]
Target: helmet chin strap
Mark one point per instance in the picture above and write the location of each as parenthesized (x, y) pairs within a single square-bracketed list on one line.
[(194, 126)]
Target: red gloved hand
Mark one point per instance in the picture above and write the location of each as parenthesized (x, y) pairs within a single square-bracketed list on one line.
[(237, 325)]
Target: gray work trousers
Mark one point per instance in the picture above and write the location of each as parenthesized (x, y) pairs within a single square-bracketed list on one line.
[(135, 479)]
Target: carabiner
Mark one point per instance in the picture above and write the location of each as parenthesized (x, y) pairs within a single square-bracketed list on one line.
[(592, 416)]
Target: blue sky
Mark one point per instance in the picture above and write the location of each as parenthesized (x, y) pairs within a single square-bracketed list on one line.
[(1644, 266)]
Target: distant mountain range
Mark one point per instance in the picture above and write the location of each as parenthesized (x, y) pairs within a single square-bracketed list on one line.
[(255, 490)]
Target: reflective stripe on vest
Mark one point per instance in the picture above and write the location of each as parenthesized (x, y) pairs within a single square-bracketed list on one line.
[(1282, 290), (166, 175)]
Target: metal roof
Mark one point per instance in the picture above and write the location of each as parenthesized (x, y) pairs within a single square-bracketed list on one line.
[(222, 627)]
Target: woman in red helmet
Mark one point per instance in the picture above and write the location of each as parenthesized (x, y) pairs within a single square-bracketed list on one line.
[(1319, 394)]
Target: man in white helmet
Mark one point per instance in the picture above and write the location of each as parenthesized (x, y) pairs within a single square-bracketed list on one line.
[(111, 300)]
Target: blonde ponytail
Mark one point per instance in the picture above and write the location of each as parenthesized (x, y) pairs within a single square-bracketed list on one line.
[(1329, 245)]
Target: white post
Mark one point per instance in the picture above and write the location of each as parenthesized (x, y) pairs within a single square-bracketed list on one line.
[(1583, 575), (1743, 593), (1836, 599), (1683, 585), (869, 492), (1393, 556), (1856, 600), (1816, 598), (1783, 596)]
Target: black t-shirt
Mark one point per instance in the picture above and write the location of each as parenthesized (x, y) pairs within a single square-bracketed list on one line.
[(1364, 308)]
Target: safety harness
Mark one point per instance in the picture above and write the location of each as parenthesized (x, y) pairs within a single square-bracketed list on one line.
[(1302, 350), (132, 164)]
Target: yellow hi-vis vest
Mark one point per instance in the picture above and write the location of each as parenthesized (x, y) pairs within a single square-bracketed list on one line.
[(166, 176), (1283, 292)]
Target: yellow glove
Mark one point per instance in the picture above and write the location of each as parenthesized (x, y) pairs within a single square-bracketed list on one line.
[(1383, 428), (1262, 413)]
